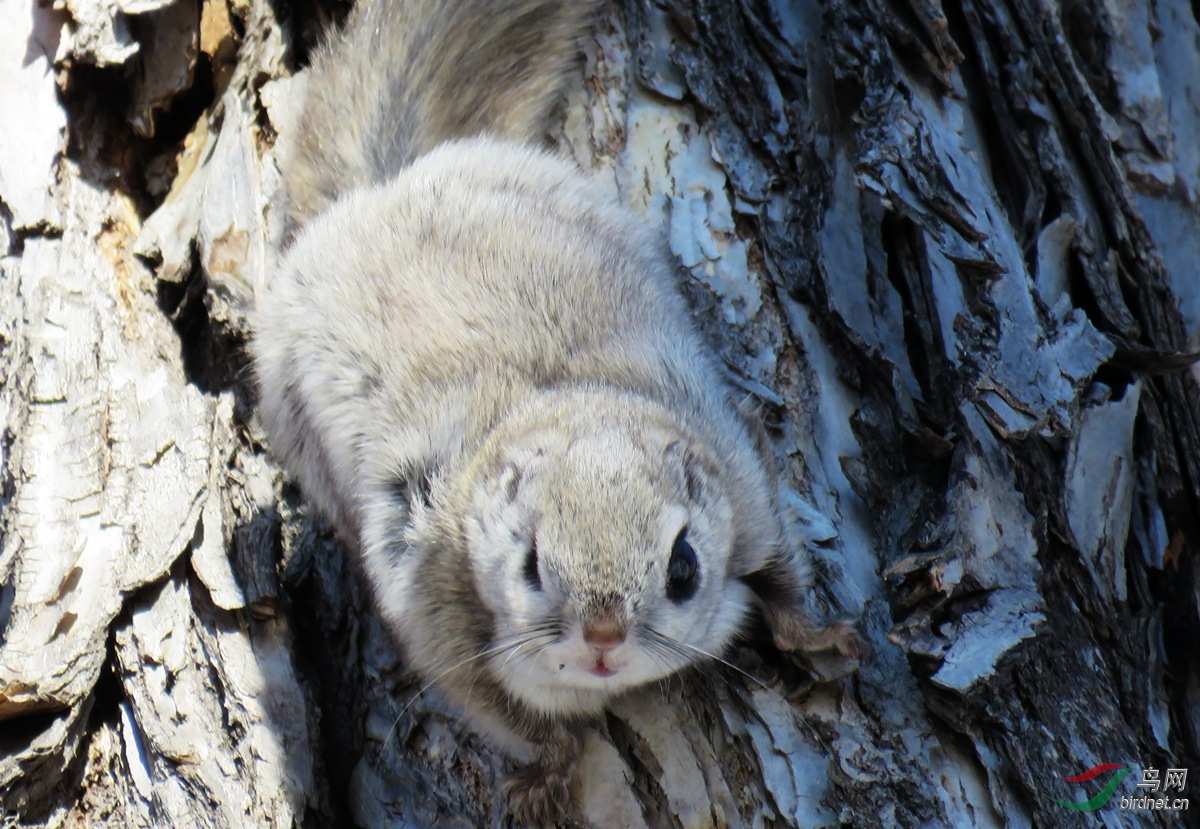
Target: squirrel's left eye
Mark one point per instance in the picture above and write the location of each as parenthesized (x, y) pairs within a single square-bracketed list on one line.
[(530, 570), (683, 571)]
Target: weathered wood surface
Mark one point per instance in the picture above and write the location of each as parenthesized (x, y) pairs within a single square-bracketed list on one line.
[(950, 250)]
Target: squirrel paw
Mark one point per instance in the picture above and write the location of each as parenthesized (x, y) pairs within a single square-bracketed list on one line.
[(793, 631), (536, 795)]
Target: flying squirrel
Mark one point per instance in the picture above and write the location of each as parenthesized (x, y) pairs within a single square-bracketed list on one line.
[(478, 366)]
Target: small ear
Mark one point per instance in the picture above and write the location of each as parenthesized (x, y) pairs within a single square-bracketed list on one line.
[(691, 470), (508, 482), (505, 475)]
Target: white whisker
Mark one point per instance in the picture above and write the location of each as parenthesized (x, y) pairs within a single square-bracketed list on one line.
[(677, 644), (515, 642)]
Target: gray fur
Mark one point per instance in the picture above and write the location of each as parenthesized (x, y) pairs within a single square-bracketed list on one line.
[(401, 77), (475, 361)]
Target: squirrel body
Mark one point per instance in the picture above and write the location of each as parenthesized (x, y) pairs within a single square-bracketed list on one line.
[(477, 365)]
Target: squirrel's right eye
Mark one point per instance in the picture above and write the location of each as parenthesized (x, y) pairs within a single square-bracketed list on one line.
[(530, 570), (683, 571)]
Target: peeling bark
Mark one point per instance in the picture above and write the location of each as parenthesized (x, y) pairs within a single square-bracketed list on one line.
[(949, 251)]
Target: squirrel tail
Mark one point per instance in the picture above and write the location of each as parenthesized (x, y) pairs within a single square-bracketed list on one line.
[(403, 76)]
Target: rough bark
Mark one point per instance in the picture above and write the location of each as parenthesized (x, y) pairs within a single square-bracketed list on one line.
[(950, 251)]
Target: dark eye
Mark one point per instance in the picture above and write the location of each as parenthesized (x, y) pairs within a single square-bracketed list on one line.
[(530, 570), (683, 573)]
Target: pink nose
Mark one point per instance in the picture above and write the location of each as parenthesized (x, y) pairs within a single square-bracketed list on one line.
[(605, 635)]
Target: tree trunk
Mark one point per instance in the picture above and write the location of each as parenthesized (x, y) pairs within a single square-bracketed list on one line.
[(949, 251)]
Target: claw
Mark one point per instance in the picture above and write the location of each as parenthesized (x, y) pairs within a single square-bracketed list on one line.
[(536, 796), (792, 631)]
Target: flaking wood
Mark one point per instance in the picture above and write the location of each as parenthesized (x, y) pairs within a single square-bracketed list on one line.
[(948, 251)]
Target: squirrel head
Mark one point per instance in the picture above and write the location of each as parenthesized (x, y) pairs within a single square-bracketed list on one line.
[(600, 546)]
